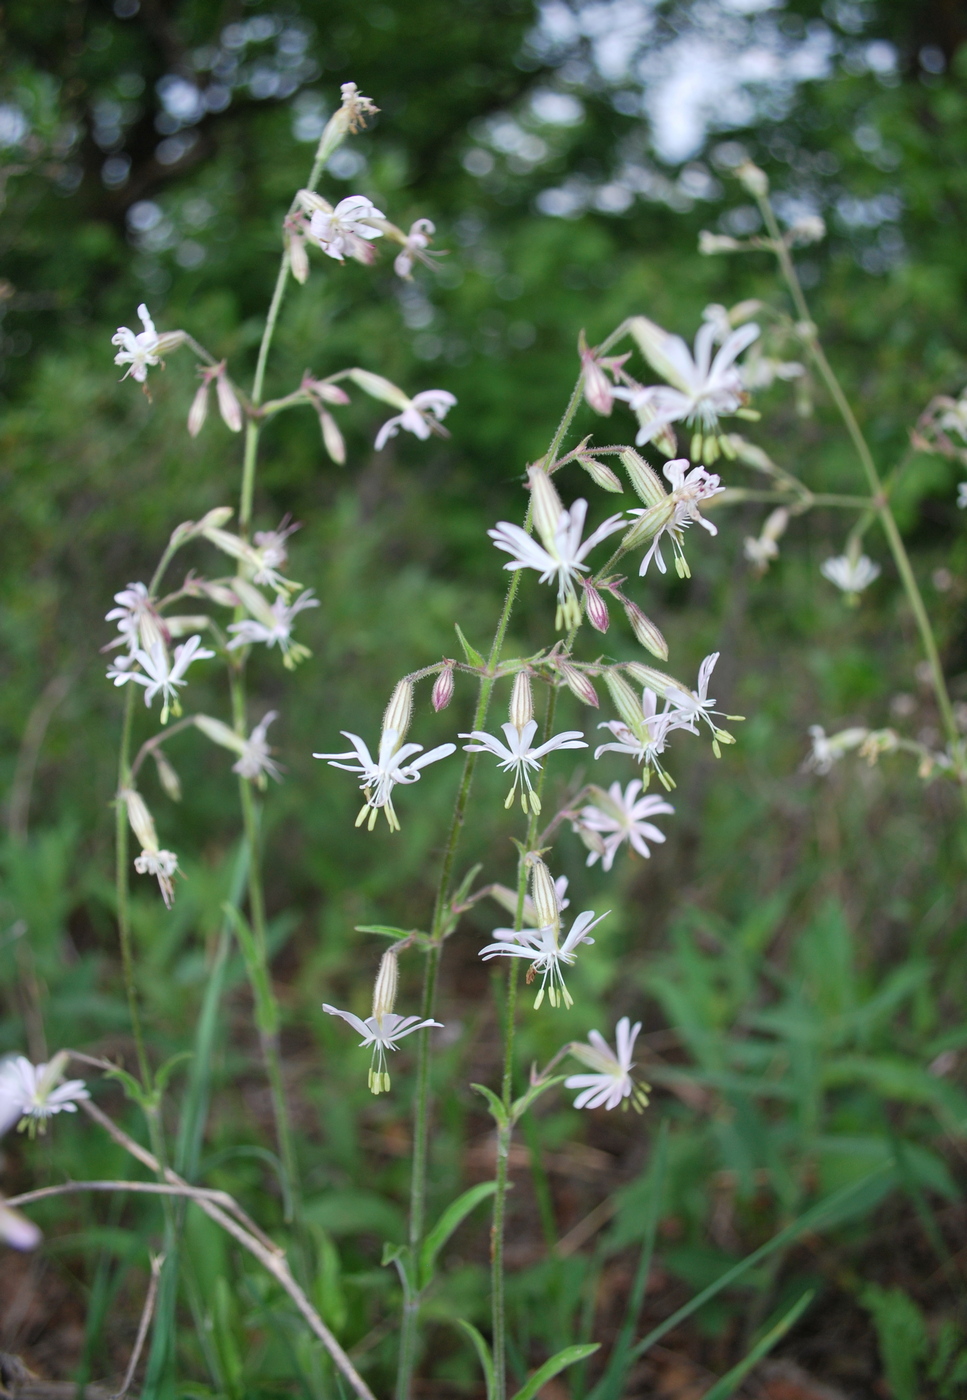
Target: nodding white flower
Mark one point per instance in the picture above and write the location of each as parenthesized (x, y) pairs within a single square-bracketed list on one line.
[(162, 865), (160, 672), (394, 763), (30, 1094), (382, 1033), (689, 487), (255, 760), (656, 726), (700, 390), (597, 387), (611, 1082), (140, 350), (278, 630), (521, 756), (417, 240), (618, 816), (272, 551), (851, 575), (962, 495), (691, 707), (342, 230), (563, 557), (760, 552), (422, 416), (827, 750), (542, 948), (355, 107), (136, 617)]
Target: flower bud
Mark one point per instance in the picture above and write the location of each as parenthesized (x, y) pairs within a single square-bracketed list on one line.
[(544, 894), (298, 257), (167, 776), (657, 681), (709, 243), (228, 404), (332, 438), (521, 701), (329, 393), (198, 411), (384, 991), (546, 504), (600, 474), (399, 711), (596, 608), (142, 823), (643, 478), (646, 631), (379, 388), (627, 704), (597, 387), (16, 1230), (578, 683), (756, 181), (443, 688)]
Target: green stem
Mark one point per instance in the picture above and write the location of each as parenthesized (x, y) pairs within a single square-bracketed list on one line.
[(880, 501), (121, 887)]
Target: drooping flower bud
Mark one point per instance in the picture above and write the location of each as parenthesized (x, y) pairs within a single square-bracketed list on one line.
[(543, 894), (597, 387), (596, 608), (578, 683), (756, 181), (521, 702), (198, 411), (646, 631), (298, 257), (600, 474), (627, 704), (399, 711), (546, 504), (332, 438), (443, 688), (142, 822), (228, 404), (384, 991), (167, 775)]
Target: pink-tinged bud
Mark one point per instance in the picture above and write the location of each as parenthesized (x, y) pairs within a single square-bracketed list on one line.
[(578, 683), (597, 387), (228, 404), (298, 257), (600, 474), (16, 1230), (330, 393), (596, 608), (646, 631), (332, 437), (443, 689), (198, 411)]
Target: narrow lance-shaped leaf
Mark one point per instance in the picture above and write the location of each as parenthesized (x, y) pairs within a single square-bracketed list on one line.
[(552, 1368), (455, 1213), (483, 1354), (731, 1381)]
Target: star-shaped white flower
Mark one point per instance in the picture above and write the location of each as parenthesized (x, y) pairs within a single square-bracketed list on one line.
[(563, 558), (620, 816), (160, 672), (394, 763), (414, 249), (656, 726), (276, 630), (341, 231), (162, 865), (851, 575), (611, 1082), (521, 756), (828, 749), (30, 1094), (137, 351), (422, 416), (689, 487), (690, 708), (700, 390), (255, 760), (542, 948), (138, 621), (382, 1033), (273, 553)]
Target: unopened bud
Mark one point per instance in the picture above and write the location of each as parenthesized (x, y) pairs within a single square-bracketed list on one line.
[(626, 702), (228, 404), (578, 683), (543, 894), (443, 689), (756, 181), (298, 257), (657, 681), (329, 393), (709, 243), (646, 631), (198, 411), (384, 992), (643, 477), (332, 438), (379, 388), (142, 823), (600, 474), (546, 504), (596, 608), (521, 702), (597, 387), (167, 776), (399, 711), (16, 1230)]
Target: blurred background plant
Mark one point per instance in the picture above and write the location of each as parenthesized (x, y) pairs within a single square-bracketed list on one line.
[(796, 948)]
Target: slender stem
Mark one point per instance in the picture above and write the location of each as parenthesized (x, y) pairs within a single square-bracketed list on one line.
[(121, 887), (880, 500)]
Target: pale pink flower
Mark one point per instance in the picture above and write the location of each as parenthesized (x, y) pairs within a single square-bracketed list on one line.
[(618, 816), (422, 416), (342, 231)]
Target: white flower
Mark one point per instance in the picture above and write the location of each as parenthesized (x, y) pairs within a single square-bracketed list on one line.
[(255, 760), (137, 351), (392, 766), (272, 552), (136, 617), (543, 950), (689, 487), (382, 1033), (851, 575), (621, 816), (691, 707), (421, 416), (700, 390), (419, 237), (611, 1083), (962, 495), (829, 750), (158, 672), (520, 756), (162, 865), (278, 630), (339, 232), (562, 559), (656, 726), (32, 1093)]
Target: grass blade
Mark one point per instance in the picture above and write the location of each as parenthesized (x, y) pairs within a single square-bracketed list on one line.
[(731, 1381)]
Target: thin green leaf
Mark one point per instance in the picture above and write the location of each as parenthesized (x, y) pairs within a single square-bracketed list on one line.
[(532, 1093), (455, 1213), (496, 1105), (483, 1355), (731, 1381), (168, 1068), (389, 931), (132, 1087), (551, 1368), (473, 656)]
